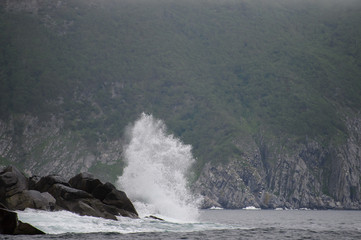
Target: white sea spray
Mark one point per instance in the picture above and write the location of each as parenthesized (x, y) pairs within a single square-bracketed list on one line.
[(157, 164)]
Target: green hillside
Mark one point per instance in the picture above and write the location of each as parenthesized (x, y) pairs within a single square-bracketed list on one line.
[(213, 70)]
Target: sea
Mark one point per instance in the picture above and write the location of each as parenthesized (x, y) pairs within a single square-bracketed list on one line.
[(211, 224), (158, 166)]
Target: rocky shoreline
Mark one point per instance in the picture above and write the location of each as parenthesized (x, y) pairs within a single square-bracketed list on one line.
[(82, 194)]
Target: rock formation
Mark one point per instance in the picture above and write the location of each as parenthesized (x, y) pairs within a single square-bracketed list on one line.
[(304, 175), (83, 194), (9, 224)]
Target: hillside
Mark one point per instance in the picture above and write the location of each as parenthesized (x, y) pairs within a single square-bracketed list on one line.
[(268, 89)]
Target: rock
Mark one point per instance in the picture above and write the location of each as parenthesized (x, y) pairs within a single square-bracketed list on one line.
[(87, 207), (12, 181), (26, 229), (46, 182), (115, 202), (154, 217), (85, 181), (8, 221), (33, 180), (101, 191), (120, 200), (80, 202), (31, 199), (67, 193), (9, 224), (54, 193)]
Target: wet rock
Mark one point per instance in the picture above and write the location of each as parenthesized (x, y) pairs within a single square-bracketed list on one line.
[(12, 181), (31, 199), (85, 181), (47, 182), (154, 217), (84, 195), (9, 224), (33, 180), (8, 221), (86, 207), (68, 193), (101, 191), (120, 200), (26, 229)]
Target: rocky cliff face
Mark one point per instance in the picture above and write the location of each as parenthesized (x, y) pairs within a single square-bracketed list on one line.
[(44, 147), (308, 175)]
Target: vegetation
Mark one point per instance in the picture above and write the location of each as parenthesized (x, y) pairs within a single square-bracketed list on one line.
[(213, 70)]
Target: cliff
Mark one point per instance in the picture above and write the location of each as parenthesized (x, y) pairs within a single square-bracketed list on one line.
[(305, 175)]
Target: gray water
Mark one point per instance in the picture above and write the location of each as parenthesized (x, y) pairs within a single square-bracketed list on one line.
[(235, 224)]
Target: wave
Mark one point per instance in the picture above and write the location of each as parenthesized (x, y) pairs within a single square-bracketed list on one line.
[(155, 176)]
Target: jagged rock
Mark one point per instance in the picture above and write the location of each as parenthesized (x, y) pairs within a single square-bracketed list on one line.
[(26, 229), (85, 181), (54, 193), (68, 193), (86, 206), (9, 224), (79, 201), (101, 191), (119, 203), (47, 182), (83, 203), (12, 181), (154, 217), (33, 180), (31, 199), (8, 221), (120, 200)]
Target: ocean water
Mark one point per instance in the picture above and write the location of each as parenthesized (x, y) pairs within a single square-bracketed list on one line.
[(211, 224)]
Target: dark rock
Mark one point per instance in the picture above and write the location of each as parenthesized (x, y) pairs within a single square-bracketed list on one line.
[(86, 206), (80, 202), (101, 191), (31, 199), (67, 193), (9, 224), (8, 179), (154, 217), (8, 221), (84, 195), (85, 182), (12, 181), (46, 182), (26, 229), (120, 200), (33, 180)]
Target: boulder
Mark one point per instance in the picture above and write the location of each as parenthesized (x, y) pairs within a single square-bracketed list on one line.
[(79, 201), (8, 221), (83, 194), (33, 180), (12, 181), (67, 193), (120, 200), (46, 182), (84, 181), (113, 201), (9, 224), (87, 207), (101, 191), (31, 199), (26, 229)]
